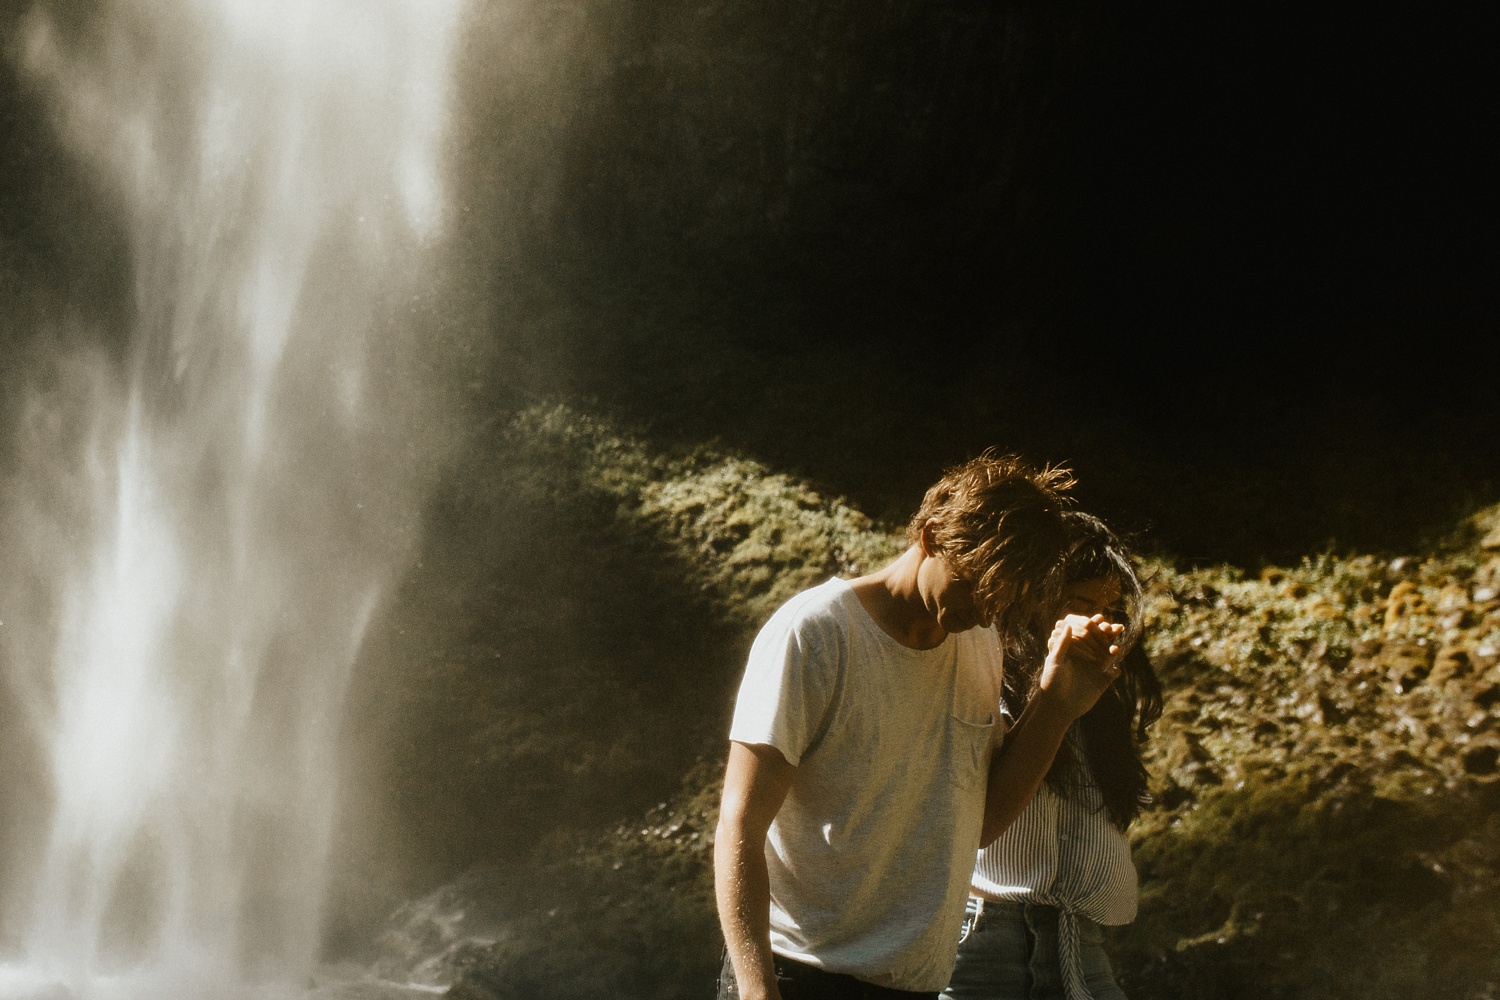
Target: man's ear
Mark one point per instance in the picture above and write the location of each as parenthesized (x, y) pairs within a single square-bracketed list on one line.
[(925, 538)]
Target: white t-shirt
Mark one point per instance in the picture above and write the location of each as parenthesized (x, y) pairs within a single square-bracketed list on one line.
[(871, 854)]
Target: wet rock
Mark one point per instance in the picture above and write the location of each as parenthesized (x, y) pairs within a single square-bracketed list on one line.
[(354, 983), (477, 985), (429, 939)]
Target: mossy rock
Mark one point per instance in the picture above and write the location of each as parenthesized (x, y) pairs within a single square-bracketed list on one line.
[(1325, 818)]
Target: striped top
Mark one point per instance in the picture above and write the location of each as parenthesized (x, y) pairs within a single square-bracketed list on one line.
[(1063, 851)]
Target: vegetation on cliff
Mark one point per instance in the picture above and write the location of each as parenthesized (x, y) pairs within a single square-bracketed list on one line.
[(566, 648), (1325, 774), (1326, 769)]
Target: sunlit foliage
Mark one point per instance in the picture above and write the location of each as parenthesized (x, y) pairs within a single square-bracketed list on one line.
[(1325, 775)]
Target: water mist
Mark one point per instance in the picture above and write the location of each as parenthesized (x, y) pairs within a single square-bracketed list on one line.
[(203, 512)]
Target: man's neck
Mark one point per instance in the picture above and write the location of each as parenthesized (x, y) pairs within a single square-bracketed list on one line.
[(894, 600)]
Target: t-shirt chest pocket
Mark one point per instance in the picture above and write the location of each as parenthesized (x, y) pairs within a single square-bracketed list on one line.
[(969, 751)]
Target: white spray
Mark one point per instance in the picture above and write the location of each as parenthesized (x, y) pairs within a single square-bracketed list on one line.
[(199, 526)]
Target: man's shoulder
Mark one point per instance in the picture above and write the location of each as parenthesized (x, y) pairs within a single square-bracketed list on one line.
[(830, 597), (824, 609)]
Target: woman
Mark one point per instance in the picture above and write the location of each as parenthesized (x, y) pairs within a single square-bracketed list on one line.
[(1042, 890)]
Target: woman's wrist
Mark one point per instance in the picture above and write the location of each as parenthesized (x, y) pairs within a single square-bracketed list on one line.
[(1049, 709)]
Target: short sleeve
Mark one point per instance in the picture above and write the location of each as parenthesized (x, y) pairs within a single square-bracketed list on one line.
[(790, 681)]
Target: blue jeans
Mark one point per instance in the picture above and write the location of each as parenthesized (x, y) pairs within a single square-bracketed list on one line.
[(1009, 951), (797, 981)]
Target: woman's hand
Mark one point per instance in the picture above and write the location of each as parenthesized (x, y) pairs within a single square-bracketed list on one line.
[(1083, 660)]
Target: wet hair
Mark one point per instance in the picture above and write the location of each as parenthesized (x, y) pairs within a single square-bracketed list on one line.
[(1109, 739), (997, 520)]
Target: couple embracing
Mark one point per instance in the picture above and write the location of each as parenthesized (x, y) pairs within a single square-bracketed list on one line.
[(931, 767)]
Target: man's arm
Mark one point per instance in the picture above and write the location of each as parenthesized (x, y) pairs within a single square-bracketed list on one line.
[(755, 785), (1081, 664)]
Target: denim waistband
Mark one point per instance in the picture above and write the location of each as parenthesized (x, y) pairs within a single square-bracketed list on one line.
[(1069, 934)]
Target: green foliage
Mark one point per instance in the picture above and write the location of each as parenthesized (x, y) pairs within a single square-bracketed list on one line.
[(746, 537), (1326, 771), (569, 643), (1292, 889), (1327, 745)]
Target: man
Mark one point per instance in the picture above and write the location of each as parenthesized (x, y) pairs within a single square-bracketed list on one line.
[(862, 775)]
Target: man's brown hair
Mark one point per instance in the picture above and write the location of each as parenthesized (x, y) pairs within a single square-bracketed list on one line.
[(997, 520)]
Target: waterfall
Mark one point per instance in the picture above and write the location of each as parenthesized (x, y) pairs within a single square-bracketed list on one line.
[(203, 512)]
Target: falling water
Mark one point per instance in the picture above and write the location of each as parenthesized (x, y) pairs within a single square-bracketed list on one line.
[(198, 526)]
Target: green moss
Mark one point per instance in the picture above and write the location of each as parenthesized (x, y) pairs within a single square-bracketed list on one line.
[(1321, 764), (1289, 889), (747, 537), (1326, 780), (571, 640)]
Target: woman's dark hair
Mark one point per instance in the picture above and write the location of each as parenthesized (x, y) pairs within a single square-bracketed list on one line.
[(1113, 733), (1109, 738)]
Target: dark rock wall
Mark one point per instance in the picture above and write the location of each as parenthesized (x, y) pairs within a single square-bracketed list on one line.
[(1226, 268), (838, 156)]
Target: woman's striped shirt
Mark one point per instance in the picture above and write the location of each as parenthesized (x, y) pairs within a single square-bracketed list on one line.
[(1063, 851)]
